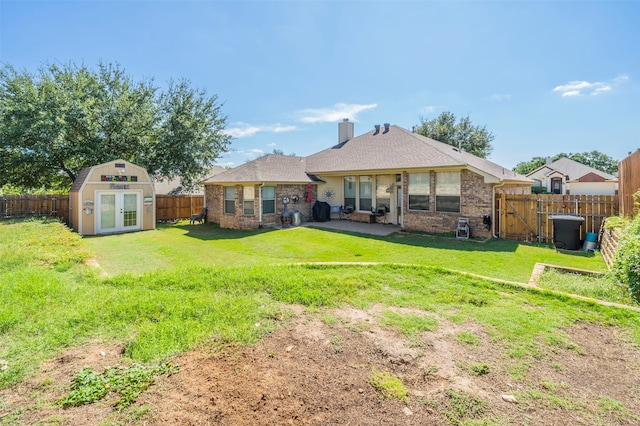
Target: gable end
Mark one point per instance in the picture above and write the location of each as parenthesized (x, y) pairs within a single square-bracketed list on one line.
[(591, 177)]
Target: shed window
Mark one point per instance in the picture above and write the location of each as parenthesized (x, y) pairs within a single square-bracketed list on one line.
[(448, 192), (268, 199), (248, 205), (229, 199), (419, 188)]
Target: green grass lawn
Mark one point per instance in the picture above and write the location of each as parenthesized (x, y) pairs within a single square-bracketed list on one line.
[(600, 287), (187, 286), (179, 245)]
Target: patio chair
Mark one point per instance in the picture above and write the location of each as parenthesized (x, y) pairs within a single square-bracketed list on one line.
[(200, 217), (462, 230), (381, 214), (346, 212)]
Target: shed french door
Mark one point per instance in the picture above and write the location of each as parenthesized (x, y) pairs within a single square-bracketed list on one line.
[(118, 212)]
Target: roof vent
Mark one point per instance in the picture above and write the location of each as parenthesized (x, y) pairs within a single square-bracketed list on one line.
[(377, 126), (386, 127)]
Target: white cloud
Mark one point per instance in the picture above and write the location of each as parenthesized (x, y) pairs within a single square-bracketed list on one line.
[(601, 89), (248, 152), (579, 88), (333, 114), (429, 109), (621, 78), (500, 98), (281, 129), (272, 144), (243, 130), (228, 164)]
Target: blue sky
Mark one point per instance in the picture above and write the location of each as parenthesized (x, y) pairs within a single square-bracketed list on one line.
[(544, 77)]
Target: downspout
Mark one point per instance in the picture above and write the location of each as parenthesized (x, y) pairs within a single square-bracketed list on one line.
[(260, 205), (493, 209)]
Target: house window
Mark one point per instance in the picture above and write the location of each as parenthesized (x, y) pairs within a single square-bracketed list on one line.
[(383, 191), (350, 191), (229, 199), (418, 189), (366, 192), (448, 192), (268, 199), (248, 193)]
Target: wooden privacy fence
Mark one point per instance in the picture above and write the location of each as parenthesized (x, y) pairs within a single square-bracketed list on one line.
[(629, 183), (175, 207), (526, 217), (168, 207), (14, 206)]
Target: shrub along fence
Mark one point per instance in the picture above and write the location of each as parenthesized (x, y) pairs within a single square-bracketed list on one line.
[(526, 217), (168, 207)]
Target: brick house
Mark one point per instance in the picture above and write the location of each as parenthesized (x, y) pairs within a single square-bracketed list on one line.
[(569, 177), (423, 184)]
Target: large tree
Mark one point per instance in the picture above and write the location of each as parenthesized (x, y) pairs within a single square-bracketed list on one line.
[(65, 118), (462, 134), (594, 159)]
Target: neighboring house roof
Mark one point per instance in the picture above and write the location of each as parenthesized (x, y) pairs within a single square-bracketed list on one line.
[(174, 186), (400, 149), (268, 168), (573, 169)]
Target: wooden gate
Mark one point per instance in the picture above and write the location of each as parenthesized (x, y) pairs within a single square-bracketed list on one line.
[(526, 217)]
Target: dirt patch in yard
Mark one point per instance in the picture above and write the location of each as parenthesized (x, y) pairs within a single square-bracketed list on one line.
[(316, 369)]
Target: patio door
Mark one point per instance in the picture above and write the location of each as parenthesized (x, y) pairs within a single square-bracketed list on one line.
[(118, 212)]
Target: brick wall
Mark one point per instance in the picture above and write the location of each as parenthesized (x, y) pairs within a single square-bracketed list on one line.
[(476, 197), (475, 202), (214, 195)]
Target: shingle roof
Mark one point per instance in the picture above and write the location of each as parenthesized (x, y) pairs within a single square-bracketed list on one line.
[(268, 168), (396, 149), (79, 180), (400, 149), (573, 169)]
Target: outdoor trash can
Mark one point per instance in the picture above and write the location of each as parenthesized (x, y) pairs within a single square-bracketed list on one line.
[(590, 241), (566, 231)]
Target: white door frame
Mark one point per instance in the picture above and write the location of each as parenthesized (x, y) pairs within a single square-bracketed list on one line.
[(119, 225), (397, 204)]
